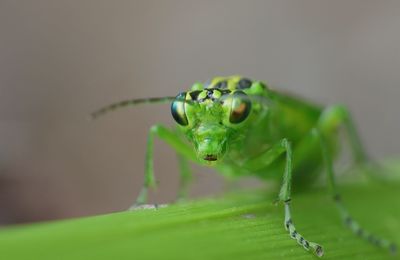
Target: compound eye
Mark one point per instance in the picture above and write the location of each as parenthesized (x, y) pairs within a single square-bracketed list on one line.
[(178, 109), (240, 107)]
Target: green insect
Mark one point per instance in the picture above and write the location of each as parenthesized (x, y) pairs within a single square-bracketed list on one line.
[(242, 127)]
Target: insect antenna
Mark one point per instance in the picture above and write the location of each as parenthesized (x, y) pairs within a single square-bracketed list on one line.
[(130, 102)]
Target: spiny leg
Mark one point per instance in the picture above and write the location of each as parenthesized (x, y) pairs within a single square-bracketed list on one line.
[(348, 220), (284, 195), (264, 160), (175, 142)]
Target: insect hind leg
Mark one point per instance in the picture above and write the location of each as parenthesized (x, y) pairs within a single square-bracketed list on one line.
[(332, 118), (347, 219)]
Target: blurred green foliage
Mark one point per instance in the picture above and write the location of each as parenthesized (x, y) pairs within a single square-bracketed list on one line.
[(245, 225)]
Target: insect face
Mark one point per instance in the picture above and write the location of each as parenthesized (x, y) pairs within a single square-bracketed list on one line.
[(210, 118)]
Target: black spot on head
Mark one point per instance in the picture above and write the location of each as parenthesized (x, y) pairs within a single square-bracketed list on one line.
[(221, 84), (244, 83), (194, 94), (210, 93), (224, 91)]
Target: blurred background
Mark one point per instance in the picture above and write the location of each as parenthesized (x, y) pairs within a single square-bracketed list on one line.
[(60, 60)]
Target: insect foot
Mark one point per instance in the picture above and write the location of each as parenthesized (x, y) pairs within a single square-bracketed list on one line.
[(147, 206), (289, 226), (307, 245)]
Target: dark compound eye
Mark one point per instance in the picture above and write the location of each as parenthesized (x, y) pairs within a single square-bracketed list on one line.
[(240, 107), (178, 109), (244, 83)]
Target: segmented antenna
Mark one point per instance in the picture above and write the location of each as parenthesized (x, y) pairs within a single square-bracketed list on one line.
[(155, 100), (130, 102)]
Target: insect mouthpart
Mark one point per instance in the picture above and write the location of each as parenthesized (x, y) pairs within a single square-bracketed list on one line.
[(210, 157)]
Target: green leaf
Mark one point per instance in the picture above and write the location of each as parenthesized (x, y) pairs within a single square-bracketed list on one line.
[(244, 225)]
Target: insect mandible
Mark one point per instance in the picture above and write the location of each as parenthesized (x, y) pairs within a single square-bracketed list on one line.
[(242, 127)]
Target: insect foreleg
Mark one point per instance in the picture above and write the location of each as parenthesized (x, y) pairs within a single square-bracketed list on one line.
[(175, 142), (185, 177), (263, 161), (284, 195), (348, 220)]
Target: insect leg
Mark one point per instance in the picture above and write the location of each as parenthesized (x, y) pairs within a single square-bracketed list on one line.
[(284, 196), (175, 142), (185, 177), (335, 116), (348, 220)]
